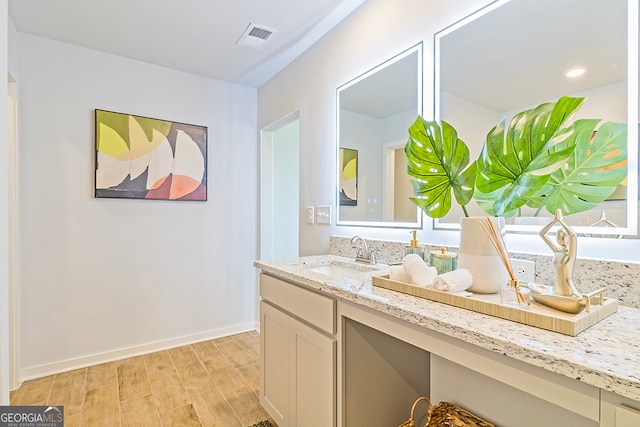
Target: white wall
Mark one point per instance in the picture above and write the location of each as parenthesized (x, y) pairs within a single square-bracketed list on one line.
[(14, 214), (106, 278), (4, 213), (364, 134), (368, 134), (373, 33), (471, 121), (395, 126)]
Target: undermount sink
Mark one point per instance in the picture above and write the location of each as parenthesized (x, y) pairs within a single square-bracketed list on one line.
[(341, 269)]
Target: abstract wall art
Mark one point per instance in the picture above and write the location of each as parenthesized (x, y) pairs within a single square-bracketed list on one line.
[(144, 158), (348, 177)]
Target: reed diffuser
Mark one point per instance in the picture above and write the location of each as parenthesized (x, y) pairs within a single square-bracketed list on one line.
[(512, 293)]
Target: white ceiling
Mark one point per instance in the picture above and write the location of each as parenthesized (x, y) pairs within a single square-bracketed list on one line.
[(195, 36), (199, 37)]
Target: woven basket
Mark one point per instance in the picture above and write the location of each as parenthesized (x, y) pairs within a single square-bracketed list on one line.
[(446, 414)]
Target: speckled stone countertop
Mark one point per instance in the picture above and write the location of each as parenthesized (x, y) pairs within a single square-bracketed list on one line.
[(607, 355), (620, 278)]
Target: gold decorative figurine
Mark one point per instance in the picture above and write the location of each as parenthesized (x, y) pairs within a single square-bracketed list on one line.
[(563, 295), (564, 255)]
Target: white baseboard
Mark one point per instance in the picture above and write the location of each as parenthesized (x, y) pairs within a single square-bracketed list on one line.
[(39, 371)]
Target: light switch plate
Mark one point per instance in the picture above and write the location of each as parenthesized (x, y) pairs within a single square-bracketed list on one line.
[(310, 215), (324, 214)]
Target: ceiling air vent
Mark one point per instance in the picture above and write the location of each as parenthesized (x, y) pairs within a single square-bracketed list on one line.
[(255, 36)]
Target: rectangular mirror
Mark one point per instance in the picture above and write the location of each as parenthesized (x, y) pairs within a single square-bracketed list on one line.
[(374, 112), (514, 55)]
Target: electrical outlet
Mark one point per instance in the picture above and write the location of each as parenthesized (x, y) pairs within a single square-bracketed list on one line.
[(524, 270)]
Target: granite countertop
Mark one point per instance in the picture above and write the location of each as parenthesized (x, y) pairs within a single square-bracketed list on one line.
[(606, 355)]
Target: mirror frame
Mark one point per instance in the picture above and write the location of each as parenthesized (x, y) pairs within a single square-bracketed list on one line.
[(415, 49), (631, 227)]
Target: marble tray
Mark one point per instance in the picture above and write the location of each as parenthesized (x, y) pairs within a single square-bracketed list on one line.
[(536, 314)]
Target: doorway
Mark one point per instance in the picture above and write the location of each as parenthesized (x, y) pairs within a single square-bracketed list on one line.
[(279, 188), (396, 184)]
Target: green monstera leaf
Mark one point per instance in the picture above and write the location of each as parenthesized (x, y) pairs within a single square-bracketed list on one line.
[(438, 161), (592, 173), (516, 164), (486, 201)]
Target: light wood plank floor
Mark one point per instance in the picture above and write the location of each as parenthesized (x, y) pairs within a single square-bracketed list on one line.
[(208, 384)]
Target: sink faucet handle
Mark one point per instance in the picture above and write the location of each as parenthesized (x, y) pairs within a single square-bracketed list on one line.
[(372, 255), (364, 254), (360, 244)]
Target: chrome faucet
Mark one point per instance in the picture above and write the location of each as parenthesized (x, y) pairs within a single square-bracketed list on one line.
[(363, 254)]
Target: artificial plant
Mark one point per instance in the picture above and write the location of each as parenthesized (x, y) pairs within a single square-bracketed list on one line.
[(439, 162), (543, 160)]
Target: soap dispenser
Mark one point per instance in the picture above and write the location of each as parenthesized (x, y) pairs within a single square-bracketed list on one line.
[(414, 247)]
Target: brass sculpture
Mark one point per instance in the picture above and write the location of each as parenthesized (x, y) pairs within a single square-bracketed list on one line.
[(563, 295), (564, 255)]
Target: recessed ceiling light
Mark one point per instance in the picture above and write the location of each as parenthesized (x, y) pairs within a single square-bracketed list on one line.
[(575, 72)]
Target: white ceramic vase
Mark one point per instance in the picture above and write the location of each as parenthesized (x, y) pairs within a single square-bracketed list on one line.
[(478, 255)]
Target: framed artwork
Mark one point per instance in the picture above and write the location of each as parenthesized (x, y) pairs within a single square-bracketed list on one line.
[(348, 177), (144, 158)]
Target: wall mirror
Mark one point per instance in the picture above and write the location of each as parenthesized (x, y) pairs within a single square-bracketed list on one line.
[(374, 112), (512, 55)]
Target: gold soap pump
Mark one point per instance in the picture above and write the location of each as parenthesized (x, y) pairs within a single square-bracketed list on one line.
[(414, 247)]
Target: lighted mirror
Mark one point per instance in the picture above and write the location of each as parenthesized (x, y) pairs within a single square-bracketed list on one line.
[(514, 55), (374, 112)]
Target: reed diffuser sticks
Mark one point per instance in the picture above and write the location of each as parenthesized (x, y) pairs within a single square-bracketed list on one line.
[(497, 240)]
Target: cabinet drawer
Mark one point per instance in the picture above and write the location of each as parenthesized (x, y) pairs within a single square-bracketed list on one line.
[(309, 306)]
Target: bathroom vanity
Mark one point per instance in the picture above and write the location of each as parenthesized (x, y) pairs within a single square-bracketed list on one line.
[(338, 351)]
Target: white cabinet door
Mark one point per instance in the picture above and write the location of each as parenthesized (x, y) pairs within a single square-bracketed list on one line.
[(618, 411), (297, 371), (313, 377), (274, 363), (627, 417)]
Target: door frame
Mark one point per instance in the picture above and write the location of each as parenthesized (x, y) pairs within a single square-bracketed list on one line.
[(13, 215), (266, 202)]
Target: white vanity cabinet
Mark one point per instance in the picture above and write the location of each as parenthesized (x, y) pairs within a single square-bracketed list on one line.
[(494, 386), (335, 355), (298, 354)]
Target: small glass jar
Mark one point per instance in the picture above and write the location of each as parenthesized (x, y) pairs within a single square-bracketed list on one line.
[(515, 295), (443, 261)]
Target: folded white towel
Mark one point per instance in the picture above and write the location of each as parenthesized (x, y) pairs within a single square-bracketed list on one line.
[(396, 272), (454, 281), (417, 272)]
